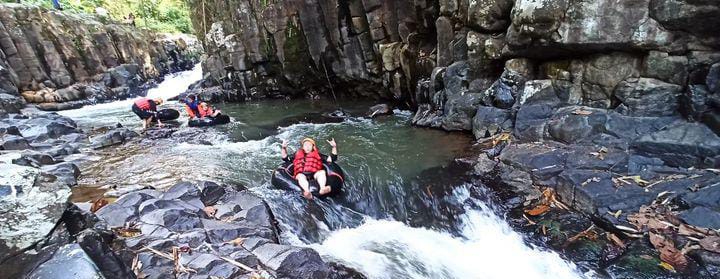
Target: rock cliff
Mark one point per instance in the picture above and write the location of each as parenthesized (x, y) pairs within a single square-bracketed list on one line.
[(60, 60)]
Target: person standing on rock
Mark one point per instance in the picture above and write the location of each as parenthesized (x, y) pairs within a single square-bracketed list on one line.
[(307, 163), (146, 109)]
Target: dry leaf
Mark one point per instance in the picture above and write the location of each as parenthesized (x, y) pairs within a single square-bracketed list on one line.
[(647, 257), (638, 180), (582, 112), (668, 252), (97, 204), (237, 242), (618, 213), (538, 210), (667, 266), (127, 232), (210, 211), (615, 239), (710, 243), (587, 233)]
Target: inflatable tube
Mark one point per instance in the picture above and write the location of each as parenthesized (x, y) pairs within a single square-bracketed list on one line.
[(167, 114), (209, 121), (282, 178)]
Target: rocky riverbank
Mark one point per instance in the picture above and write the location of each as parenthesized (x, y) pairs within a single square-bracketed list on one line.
[(57, 60), (189, 230)]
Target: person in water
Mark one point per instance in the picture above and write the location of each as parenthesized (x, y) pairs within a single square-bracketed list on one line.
[(146, 109), (191, 105), (307, 163), (207, 110)]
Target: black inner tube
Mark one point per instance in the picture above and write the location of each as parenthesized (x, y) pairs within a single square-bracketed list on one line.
[(282, 178)]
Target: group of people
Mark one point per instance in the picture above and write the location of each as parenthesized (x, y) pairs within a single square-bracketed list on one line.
[(146, 109), (307, 161)]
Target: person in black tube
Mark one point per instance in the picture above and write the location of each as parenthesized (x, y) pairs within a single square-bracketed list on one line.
[(307, 164), (146, 109)]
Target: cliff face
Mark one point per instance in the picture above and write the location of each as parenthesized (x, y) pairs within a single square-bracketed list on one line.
[(383, 48), (61, 60)]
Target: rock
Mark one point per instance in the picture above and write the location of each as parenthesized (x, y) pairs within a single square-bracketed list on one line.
[(68, 261), (701, 217), (490, 121), (490, 15), (713, 79), (13, 142), (380, 109), (211, 193), (603, 73), (33, 159), (682, 145), (648, 97), (32, 203), (662, 66), (124, 210), (10, 103), (65, 172), (113, 137), (292, 262)]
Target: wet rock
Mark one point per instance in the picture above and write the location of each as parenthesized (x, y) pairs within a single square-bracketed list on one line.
[(113, 137), (13, 142), (33, 159), (292, 262), (65, 172), (68, 261), (380, 109), (662, 66), (211, 193)]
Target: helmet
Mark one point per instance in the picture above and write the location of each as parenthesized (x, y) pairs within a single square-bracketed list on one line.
[(158, 101), (307, 139)]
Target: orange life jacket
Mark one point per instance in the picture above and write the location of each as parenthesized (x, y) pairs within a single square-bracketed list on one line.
[(310, 162), (143, 103), (205, 110)]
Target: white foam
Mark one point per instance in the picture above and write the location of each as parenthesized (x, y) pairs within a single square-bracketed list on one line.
[(488, 248)]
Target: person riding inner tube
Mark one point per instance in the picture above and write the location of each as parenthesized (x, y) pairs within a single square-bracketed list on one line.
[(206, 110), (308, 163), (191, 105), (146, 109)]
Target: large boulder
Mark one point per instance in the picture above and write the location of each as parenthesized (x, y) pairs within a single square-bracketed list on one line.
[(682, 145), (292, 262), (648, 97), (31, 204)]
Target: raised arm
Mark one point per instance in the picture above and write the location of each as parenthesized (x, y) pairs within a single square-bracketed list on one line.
[(334, 151), (283, 149)]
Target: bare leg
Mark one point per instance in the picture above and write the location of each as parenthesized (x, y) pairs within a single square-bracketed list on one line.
[(321, 177), (305, 185)]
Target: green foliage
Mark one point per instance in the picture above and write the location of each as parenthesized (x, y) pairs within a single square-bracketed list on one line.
[(167, 16)]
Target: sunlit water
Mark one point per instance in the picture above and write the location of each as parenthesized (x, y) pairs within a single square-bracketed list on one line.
[(406, 210)]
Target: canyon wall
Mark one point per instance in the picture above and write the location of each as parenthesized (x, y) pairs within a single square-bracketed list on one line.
[(60, 60)]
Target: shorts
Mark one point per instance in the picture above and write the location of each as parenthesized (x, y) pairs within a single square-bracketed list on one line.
[(143, 114)]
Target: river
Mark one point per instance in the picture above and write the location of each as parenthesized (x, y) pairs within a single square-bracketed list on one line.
[(407, 210)]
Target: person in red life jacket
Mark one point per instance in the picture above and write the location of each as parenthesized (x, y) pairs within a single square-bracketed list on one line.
[(206, 110), (307, 163), (191, 106), (146, 109)]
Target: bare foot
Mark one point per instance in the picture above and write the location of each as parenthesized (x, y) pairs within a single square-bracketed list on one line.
[(324, 190), (307, 195)]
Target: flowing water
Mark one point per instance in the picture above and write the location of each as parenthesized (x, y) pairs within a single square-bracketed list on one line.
[(407, 210)]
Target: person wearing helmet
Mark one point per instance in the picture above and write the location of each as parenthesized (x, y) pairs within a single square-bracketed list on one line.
[(307, 163), (191, 105), (146, 109)]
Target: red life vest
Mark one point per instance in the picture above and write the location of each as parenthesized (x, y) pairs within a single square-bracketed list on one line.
[(143, 103), (310, 162)]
